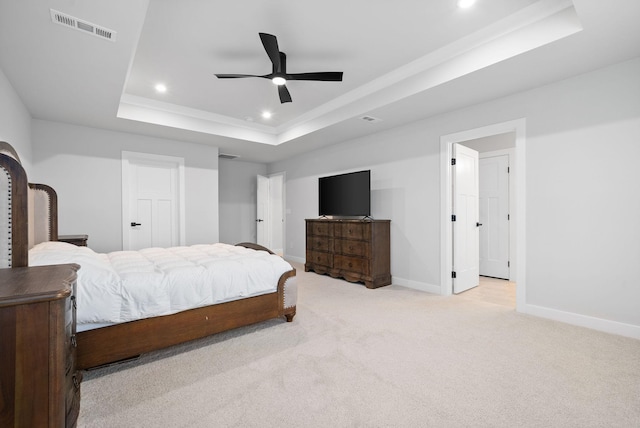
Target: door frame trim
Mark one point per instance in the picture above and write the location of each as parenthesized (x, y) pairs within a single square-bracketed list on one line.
[(131, 157), (446, 244)]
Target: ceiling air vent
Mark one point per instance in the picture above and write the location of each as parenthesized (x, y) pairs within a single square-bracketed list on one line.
[(227, 156), (81, 25), (370, 119)]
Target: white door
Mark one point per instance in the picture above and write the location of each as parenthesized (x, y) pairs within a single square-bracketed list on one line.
[(262, 212), (494, 216), (152, 205), (465, 227)]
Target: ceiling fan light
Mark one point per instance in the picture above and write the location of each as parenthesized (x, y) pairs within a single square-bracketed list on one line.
[(279, 80), (464, 4)]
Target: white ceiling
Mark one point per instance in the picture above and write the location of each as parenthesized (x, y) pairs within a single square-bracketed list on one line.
[(402, 61)]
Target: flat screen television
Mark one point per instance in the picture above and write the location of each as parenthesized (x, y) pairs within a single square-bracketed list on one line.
[(347, 195)]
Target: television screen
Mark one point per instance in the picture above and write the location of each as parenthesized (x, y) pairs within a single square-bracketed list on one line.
[(345, 194)]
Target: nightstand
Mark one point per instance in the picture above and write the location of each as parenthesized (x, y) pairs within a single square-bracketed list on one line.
[(79, 240), (38, 373)]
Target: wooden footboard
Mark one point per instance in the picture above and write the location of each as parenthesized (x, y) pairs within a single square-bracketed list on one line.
[(127, 340)]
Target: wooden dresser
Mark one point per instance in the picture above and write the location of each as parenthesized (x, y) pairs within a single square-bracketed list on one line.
[(39, 383), (356, 250)]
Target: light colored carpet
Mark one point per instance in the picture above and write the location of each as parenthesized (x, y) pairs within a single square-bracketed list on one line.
[(390, 357)]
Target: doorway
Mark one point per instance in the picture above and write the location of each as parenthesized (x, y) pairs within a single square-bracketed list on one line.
[(517, 219), (496, 193)]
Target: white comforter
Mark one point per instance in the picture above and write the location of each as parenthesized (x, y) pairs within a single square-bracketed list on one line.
[(129, 285)]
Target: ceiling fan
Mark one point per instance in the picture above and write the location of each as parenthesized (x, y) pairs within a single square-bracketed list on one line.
[(279, 75)]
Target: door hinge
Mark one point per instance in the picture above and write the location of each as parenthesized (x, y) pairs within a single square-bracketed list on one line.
[(453, 161), (508, 170), (453, 217), (453, 274), (508, 216), (508, 264)]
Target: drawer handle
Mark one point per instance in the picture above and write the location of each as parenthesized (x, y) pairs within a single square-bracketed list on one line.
[(74, 342)]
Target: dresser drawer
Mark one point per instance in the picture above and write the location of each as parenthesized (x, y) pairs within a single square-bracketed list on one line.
[(356, 250), (319, 228), (352, 230), (351, 248), (352, 264), (320, 258), (319, 243)]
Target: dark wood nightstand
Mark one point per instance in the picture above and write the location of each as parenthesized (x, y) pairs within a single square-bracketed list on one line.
[(79, 240), (38, 373)]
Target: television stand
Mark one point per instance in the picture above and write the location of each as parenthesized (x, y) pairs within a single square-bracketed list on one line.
[(355, 250)]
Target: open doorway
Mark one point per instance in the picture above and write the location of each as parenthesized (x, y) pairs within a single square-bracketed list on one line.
[(496, 153), (505, 138), (496, 197)]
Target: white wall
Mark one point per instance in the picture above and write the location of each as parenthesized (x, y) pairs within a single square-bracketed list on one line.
[(404, 188), (83, 165), (582, 193), (238, 186), (15, 122)]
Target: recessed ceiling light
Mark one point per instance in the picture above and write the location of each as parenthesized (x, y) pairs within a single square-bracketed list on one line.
[(266, 114), (160, 88), (465, 4)]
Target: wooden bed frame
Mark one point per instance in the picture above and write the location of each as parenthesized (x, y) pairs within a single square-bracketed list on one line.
[(118, 342)]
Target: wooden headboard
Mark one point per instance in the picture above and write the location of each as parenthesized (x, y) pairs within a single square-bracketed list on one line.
[(28, 212)]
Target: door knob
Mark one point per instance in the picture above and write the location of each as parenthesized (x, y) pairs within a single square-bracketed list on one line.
[(134, 224), (478, 224), (259, 220)]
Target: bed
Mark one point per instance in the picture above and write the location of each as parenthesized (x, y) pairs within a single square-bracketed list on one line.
[(130, 303)]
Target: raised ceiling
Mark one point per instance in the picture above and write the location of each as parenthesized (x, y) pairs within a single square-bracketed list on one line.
[(402, 61)]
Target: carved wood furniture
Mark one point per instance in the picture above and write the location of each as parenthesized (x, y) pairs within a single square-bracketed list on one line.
[(122, 341), (356, 250), (39, 382)]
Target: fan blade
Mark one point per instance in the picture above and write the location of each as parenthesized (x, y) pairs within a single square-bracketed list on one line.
[(235, 76), (285, 96), (324, 76), (270, 44)]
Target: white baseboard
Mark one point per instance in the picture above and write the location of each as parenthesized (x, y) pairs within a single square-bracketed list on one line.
[(295, 259), (420, 286), (607, 326)]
